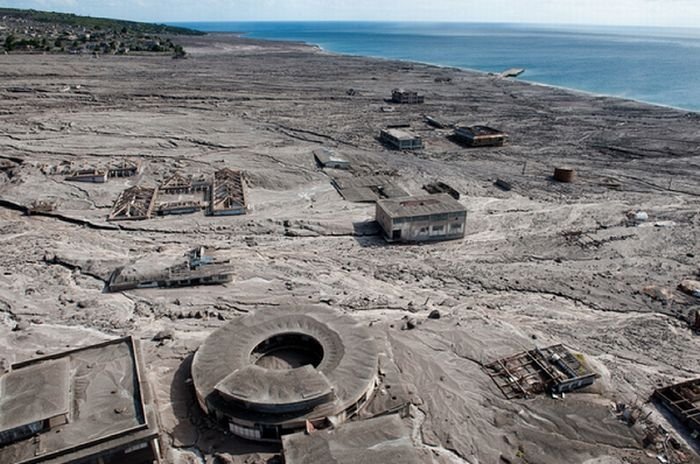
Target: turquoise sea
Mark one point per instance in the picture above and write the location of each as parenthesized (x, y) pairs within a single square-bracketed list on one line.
[(656, 65)]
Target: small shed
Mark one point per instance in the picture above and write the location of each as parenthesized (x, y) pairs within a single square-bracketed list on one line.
[(421, 219)]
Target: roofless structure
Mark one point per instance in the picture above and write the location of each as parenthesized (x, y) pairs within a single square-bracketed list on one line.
[(280, 370), (89, 406)]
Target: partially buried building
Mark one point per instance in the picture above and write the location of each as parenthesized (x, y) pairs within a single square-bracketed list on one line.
[(480, 136), (90, 405), (421, 219), (401, 139), (284, 370)]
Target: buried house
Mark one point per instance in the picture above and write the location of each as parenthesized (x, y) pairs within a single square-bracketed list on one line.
[(421, 219), (90, 405)]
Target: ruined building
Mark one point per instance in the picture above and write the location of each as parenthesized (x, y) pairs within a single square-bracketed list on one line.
[(90, 405), (421, 219), (285, 370), (400, 139), (199, 269), (402, 96), (480, 136)]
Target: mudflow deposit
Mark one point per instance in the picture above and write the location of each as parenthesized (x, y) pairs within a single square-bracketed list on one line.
[(541, 264)]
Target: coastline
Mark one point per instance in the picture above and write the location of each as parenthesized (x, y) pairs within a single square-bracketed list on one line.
[(468, 69)]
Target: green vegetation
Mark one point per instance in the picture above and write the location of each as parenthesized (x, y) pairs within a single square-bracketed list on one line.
[(31, 31), (97, 23)]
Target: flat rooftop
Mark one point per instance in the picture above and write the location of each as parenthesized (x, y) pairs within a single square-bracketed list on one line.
[(380, 440), (400, 134), (425, 205), (102, 387), (367, 189)]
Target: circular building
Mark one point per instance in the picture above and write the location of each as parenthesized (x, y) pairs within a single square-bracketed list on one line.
[(270, 373)]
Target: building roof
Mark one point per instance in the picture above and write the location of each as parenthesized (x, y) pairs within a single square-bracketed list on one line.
[(326, 155), (375, 441), (420, 206), (106, 402), (35, 393), (368, 189), (348, 364), (400, 134)]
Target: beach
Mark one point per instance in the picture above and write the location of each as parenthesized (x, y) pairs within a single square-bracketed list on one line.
[(542, 264)]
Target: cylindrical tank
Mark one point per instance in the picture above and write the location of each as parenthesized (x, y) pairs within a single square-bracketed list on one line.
[(567, 175)]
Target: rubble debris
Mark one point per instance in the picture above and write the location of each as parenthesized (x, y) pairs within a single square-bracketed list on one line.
[(406, 97), (200, 269), (127, 168), (436, 122), (683, 400), (41, 206), (367, 189), (421, 219), (116, 421), (480, 136), (379, 440), (441, 187), (228, 195), (135, 203), (177, 183), (328, 158), (401, 140), (554, 369), (691, 287), (285, 370)]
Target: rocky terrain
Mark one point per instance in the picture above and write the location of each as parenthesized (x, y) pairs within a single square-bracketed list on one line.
[(544, 263)]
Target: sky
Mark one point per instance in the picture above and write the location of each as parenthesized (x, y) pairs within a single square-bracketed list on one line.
[(664, 13)]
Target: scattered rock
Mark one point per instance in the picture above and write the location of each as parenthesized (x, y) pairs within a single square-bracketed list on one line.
[(434, 314), (409, 324), (163, 335)]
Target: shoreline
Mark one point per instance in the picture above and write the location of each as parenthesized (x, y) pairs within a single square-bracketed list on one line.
[(315, 46)]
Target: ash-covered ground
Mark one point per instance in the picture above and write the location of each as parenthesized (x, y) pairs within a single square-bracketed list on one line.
[(542, 264)]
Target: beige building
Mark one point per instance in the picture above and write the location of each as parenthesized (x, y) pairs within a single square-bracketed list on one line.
[(421, 219)]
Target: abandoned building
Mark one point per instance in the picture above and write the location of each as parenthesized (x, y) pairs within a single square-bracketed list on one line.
[(367, 189), (328, 158), (126, 168), (175, 184), (380, 440), (228, 197), (284, 369), (400, 139), (90, 405), (441, 187), (683, 400), (480, 136), (135, 203), (97, 176), (554, 369), (174, 208), (198, 269), (407, 97), (421, 219)]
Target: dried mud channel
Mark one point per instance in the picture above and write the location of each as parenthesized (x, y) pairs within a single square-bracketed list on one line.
[(545, 263)]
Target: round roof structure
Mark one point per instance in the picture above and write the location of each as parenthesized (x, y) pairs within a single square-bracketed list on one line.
[(281, 367)]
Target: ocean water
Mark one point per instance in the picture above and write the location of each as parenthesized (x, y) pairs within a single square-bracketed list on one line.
[(656, 65)]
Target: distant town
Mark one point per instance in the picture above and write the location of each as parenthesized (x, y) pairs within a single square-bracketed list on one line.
[(29, 31)]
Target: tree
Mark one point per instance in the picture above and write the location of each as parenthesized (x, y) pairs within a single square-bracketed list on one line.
[(179, 52), (10, 42)]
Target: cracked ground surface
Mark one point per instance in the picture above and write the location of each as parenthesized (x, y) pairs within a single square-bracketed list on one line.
[(542, 264)]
